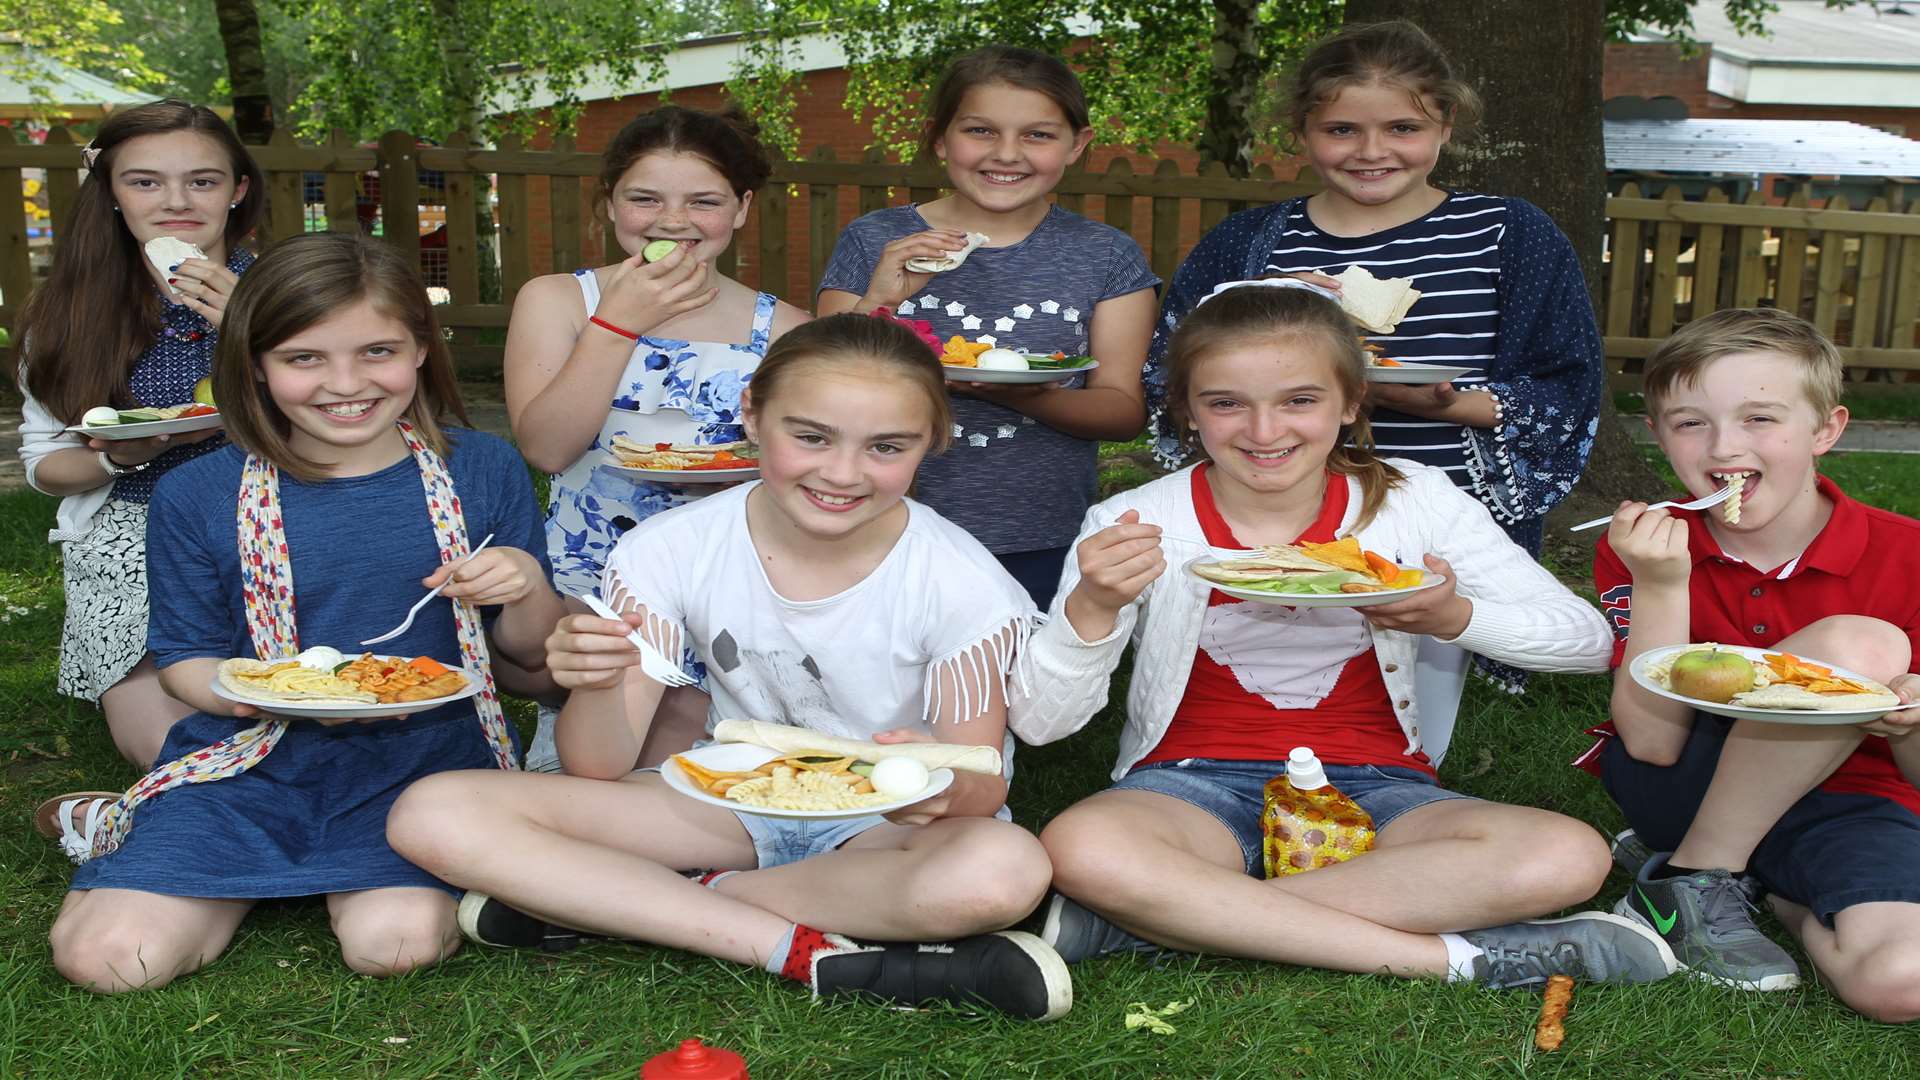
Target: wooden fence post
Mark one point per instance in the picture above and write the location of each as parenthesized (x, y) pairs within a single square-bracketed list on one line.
[(1833, 258), (823, 224), (1665, 278), (1119, 207), (1869, 284), (1790, 283), (1212, 211), (400, 194), (1906, 291), (63, 182), (1623, 271), (1708, 255), (516, 243), (563, 201), (773, 241), (341, 191), (16, 264), (873, 196), (1750, 279), (286, 193), (1165, 256)]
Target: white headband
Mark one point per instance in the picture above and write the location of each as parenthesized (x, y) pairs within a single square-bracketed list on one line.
[(1274, 283)]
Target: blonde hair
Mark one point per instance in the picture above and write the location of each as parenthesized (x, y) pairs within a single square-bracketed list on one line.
[(297, 284), (1396, 53), (865, 344), (1280, 318), (1681, 358)]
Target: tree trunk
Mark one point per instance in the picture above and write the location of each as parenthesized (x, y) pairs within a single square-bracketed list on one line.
[(1239, 63), (1537, 67), (246, 69)]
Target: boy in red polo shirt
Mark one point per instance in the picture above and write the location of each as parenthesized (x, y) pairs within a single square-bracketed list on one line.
[(1825, 819)]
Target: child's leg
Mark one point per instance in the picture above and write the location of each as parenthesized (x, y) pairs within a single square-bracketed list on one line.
[(679, 722), (392, 931), (1765, 768), (112, 940), (953, 878), (1906, 754), (1870, 958), (139, 714)]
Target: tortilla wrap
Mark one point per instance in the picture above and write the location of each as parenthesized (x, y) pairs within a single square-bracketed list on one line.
[(167, 252), (1789, 696), (1277, 562), (249, 678), (788, 739)]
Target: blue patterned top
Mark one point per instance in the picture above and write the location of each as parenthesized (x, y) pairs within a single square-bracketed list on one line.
[(164, 375)]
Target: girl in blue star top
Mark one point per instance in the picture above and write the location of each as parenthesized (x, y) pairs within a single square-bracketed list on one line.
[(1501, 291), (1007, 122), (111, 328), (667, 345), (334, 380)]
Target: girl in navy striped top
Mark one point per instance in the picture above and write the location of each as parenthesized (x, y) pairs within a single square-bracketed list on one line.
[(1501, 292)]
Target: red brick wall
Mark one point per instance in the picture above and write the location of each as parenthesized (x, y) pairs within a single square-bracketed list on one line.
[(1651, 70)]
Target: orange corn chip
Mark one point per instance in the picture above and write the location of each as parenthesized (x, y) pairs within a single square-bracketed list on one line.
[(1387, 362), (1344, 553)]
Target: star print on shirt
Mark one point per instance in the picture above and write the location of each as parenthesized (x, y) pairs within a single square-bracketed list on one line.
[(929, 301), (1049, 307), (971, 322), (1004, 431), (988, 338), (1071, 314), (956, 309), (1024, 311), (976, 439), (1003, 326), (906, 308)]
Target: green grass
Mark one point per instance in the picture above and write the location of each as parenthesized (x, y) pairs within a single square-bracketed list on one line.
[(1879, 401), (280, 1002)]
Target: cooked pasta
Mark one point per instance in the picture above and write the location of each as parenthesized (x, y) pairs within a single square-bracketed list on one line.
[(807, 789)]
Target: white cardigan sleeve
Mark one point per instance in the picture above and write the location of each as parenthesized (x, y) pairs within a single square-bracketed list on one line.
[(1068, 678), (1522, 614), (41, 433)]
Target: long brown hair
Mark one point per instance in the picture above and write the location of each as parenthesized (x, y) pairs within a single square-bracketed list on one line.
[(1022, 69), (99, 308), (1397, 53), (866, 344), (1285, 318), (297, 284)]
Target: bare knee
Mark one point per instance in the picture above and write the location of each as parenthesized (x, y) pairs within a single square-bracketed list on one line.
[(1556, 861), (1088, 853), (1886, 984), (435, 823), (1871, 646), (112, 957), (392, 939), (990, 877)]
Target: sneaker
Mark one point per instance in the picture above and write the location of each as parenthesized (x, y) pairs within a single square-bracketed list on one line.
[(1707, 918), (1630, 853), (1077, 934), (486, 921), (543, 755), (1011, 971), (1592, 946)]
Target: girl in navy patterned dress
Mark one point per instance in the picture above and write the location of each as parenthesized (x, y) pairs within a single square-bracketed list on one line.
[(335, 380), (1501, 289), (110, 328), (657, 352)]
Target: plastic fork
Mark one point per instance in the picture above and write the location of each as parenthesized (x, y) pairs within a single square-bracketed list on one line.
[(1719, 496), (422, 602), (657, 667), (1216, 552)]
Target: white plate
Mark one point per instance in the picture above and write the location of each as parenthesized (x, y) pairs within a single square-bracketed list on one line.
[(1357, 599), (967, 374), (348, 712), (739, 757), (1638, 669), (688, 476), (146, 429), (1413, 373)]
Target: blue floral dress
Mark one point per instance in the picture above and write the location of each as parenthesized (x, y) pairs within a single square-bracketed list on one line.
[(672, 391)]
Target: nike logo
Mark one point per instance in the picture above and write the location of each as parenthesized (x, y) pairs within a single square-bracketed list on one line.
[(1662, 923)]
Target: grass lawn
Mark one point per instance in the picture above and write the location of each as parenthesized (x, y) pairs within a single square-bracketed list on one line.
[(281, 1003)]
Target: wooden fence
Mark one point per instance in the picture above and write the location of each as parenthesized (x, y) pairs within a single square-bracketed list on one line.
[(1856, 273)]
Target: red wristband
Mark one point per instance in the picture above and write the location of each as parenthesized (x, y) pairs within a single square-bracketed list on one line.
[(605, 325)]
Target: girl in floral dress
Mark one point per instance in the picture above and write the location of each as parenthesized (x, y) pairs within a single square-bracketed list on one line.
[(668, 345)]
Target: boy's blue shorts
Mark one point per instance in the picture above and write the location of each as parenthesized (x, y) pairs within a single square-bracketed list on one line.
[(1830, 851)]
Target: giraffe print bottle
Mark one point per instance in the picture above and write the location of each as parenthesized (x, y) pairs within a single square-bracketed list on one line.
[(1308, 824)]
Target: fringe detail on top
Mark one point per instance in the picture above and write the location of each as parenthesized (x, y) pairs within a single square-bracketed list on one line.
[(1494, 481), (663, 634), (976, 669)]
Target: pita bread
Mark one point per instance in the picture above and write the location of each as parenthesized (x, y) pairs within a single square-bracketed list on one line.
[(788, 739), (1789, 696), (167, 252), (1377, 304), (951, 260), (252, 679)]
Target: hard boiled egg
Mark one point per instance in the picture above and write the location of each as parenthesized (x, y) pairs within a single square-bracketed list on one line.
[(1002, 360), (899, 777), (100, 416), (321, 658)]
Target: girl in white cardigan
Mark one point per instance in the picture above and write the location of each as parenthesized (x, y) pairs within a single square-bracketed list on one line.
[(1268, 380)]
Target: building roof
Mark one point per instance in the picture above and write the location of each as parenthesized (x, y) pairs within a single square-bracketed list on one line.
[(1751, 147), (31, 81), (1809, 32)]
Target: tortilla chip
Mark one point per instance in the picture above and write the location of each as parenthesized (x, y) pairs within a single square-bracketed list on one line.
[(1344, 553)]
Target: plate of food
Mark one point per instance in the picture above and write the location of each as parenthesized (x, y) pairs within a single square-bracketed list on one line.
[(113, 425), (324, 684), (1746, 683), (782, 771), (982, 361), (686, 463), (1339, 574), (1381, 369)]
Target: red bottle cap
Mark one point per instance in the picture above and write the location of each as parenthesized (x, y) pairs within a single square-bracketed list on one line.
[(694, 1060)]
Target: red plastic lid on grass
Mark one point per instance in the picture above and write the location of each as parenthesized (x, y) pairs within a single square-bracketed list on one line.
[(695, 1060)]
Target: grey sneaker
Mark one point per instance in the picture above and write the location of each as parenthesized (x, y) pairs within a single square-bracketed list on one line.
[(1630, 853), (1707, 919), (542, 754), (1592, 946), (1078, 934)]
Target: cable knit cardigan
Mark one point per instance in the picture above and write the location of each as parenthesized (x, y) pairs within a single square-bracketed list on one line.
[(1521, 614)]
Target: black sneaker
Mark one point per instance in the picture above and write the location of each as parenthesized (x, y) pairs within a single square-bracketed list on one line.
[(1011, 971), (1077, 934), (486, 921)]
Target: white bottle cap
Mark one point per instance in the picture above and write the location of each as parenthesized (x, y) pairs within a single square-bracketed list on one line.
[(1304, 771)]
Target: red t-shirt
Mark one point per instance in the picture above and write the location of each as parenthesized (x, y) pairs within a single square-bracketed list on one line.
[(1862, 563), (1268, 678)]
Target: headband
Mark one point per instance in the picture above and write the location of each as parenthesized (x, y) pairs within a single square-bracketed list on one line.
[(1272, 283)]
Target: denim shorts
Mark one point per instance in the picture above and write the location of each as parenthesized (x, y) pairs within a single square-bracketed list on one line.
[(1235, 793), (778, 841), (1828, 852)]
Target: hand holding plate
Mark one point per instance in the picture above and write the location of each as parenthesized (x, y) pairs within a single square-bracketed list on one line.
[(1439, 612)]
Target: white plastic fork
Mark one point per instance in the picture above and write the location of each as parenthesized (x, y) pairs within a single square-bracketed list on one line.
[(1216, 552), (422, 602), (1719, 496), (657, 667)]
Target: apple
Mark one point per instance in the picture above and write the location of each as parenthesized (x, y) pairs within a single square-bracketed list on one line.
[(1711, 675), (203, 391)]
